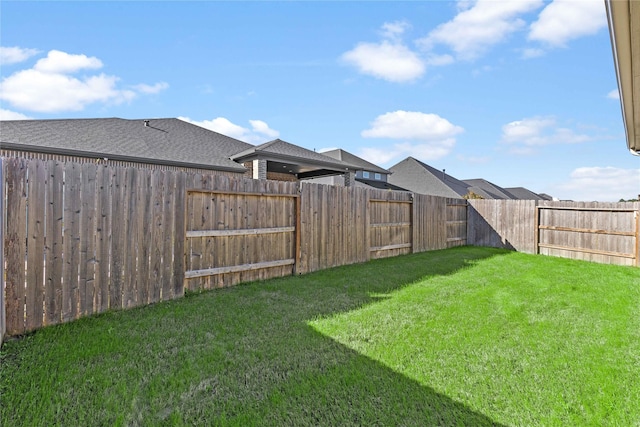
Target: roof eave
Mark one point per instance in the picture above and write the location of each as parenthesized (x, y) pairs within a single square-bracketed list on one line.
[(624, 28), (244, 157)]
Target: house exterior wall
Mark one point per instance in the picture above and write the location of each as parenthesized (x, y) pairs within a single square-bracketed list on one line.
[(372, 175)]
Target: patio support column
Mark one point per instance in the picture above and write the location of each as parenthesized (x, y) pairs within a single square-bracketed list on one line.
[(259, 169), (349, 179)]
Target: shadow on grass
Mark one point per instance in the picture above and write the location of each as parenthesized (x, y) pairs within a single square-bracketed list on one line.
[(238, 356)]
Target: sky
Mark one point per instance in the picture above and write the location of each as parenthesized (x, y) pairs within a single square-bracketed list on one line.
[(522, 93)]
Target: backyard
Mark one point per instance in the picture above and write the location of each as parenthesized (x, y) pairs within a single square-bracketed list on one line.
[(465, 336)]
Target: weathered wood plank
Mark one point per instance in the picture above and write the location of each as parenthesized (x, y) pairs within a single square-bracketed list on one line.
[(15, 244), (180, 232), (238, 268), (102, 283), (241, 232), (87, 239), (71, 236), (168, 236), (35, 245)]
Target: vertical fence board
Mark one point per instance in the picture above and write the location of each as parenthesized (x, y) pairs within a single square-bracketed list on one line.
[(15, 244), (103, 239), (168, 236), (35, 246), (87, 239), (155, 274), (3, 317)]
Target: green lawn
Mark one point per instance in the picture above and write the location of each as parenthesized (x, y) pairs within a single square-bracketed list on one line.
[(466, 336)]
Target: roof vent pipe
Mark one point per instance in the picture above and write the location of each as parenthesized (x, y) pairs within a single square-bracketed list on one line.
[(444, 177), (146, 123)]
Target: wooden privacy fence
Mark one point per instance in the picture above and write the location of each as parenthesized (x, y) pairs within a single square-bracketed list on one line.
[(592, 231), (82, 238), (606, 235)]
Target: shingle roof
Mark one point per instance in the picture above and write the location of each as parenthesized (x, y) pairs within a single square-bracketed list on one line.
[(381, 185), (282, 150), (165, 141), (487, 189), (522, 193), (421, 178), (358, 162)]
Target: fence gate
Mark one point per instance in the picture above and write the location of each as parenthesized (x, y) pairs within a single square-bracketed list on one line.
[(234, 237), (606, 235), (456, 222), (390, 227)]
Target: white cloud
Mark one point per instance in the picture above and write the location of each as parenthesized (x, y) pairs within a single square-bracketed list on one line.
[(538, 131), (564, 20), (12, 115), (34, 90), (477, 28), (261, 127), (390, 61), (151, 89), (421, 135), (393, 30), (58, 62), (614, 94), (260, 131), (50, 87), (439, 60), (426, 152), (600, 184), (411, 125), (13, 55)]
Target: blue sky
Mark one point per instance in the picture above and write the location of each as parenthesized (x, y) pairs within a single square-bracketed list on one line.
[(521, 93)]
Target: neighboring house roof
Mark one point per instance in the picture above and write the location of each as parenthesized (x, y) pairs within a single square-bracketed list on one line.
[(421, 178), (545, 196), (293, 159), (521, 193), (358, 162), (624, 28), (486, 189), (162, 141), (381, 185)]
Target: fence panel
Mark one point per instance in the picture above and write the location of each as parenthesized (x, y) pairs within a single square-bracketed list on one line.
[(334, 226), (390, 224), (81, 239), (429, 223), (506, 224), (237, 236), (456, 222), (598, 232)]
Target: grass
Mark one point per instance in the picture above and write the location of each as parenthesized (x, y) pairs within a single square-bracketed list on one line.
[(467, 336)]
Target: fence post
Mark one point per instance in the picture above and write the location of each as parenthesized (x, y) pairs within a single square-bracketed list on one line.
[(3, 323)]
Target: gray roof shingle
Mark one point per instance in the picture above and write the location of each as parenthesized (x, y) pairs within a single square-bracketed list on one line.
[(165, 141), (283, 150), (421, 178), (487, 189), (358, 162)]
